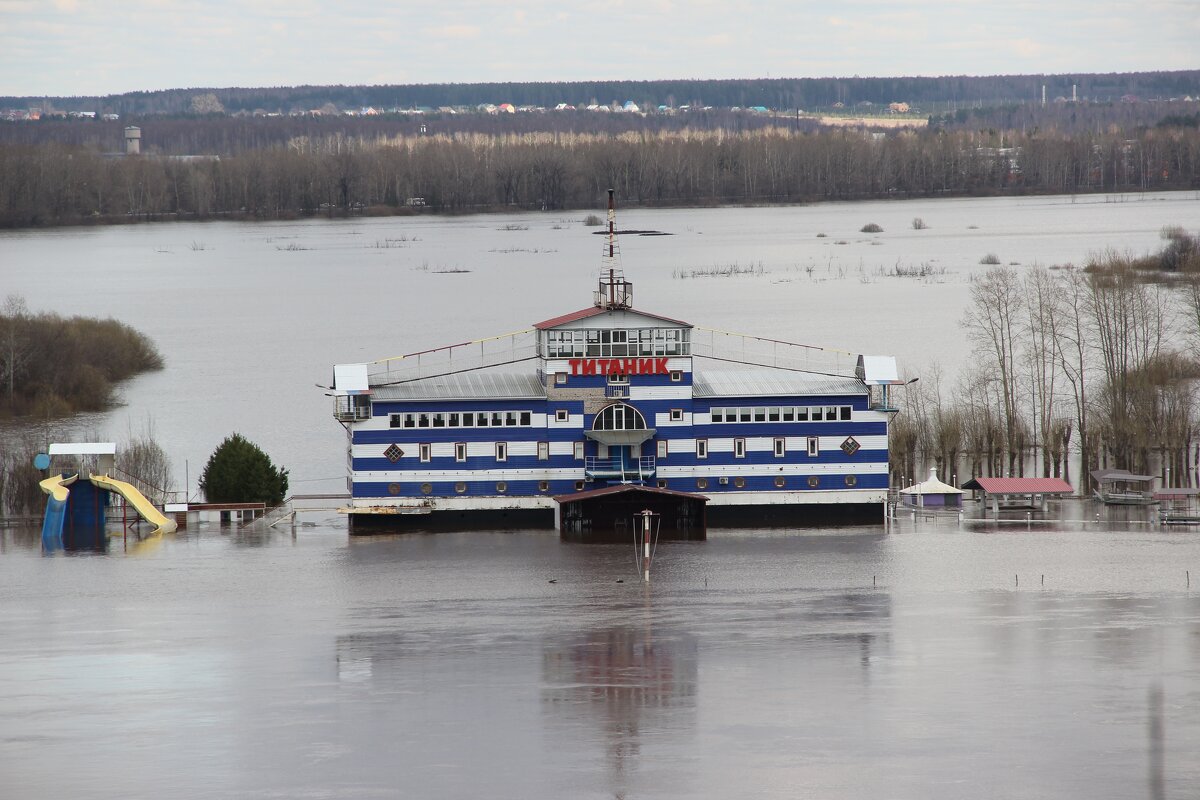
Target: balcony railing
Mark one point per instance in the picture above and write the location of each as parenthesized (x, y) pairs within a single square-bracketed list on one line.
[(624, 470), (351, 408)]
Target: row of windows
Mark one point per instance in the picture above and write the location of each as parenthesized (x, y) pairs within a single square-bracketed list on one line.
[(635, 342), (462, 419), (779, 448), (780, 481), (510, 419), (782, 414), (425, 451)]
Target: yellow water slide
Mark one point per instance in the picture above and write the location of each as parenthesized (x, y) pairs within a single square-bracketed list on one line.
[(138, 501), (56, 487)]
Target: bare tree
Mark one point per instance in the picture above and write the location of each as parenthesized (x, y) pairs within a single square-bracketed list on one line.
[(992, 323)]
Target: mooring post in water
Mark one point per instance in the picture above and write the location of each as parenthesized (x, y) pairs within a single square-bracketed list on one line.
[(646, 544)]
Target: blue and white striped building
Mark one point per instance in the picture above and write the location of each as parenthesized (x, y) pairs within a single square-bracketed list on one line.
[(608, 395)]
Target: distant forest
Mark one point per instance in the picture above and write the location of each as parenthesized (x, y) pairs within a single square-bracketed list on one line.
[(70, 170), (932, 94)]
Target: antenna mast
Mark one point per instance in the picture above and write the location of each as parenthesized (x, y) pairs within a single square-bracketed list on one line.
[(614, 291)]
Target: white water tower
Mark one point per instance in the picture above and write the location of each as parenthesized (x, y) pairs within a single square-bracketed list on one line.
[(133, 141)]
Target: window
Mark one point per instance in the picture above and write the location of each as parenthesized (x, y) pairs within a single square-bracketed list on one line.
[(510, 418), (426, 451), (543, 450), (814, 446), (579, 486), (618, 380), (497, 419), (676, 376), (460, 451), (481, 419), (560, 378), (815, 414), (460, 487), (454, 418), (395, 420), (579, 451), (831, 413), (662, 448), (789, 414), (739, 448), (502, 451), (701, 483), (543, 486), (702, 448), (851, 480), (676, 415), (780, 447), (743, 415), (562, 415), (801, 415), (439, 420), (619, 417), (422, 420), (739, 482), (845, 413), (718, 415), (760, 415), (773, 415), (501, 487), (662, 483)]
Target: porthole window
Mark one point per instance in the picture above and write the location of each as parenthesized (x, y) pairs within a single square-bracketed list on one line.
[(543, 486), (579, 486), (460, 487), (426, 488), (662, 484), (501, 487), (851, 480), (813, 481), (780, 482), (701, 483), (739, 483), (393, 488)]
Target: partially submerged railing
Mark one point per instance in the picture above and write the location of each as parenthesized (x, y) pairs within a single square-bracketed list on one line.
[(758, 351), (509, 348)]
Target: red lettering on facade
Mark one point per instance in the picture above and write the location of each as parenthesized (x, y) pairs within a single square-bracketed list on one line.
[(618, 366)]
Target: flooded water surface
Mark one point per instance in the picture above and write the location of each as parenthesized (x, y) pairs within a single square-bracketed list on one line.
[(839, 664)]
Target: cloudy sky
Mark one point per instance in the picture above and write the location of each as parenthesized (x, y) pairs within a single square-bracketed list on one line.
[(77, 47)]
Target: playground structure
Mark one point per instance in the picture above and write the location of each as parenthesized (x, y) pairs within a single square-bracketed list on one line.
[(79, 507)]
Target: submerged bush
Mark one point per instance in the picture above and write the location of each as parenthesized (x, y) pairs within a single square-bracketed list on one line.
[(52, 366), (990, 259), (871, 227), (238, 471)]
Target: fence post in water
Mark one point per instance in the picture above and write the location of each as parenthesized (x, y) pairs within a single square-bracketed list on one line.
[(646, 544)]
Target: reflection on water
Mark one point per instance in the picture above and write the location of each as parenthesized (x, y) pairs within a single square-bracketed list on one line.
[(624, 683), (243, 663)]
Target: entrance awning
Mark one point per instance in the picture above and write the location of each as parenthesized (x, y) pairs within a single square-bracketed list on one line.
[(620, 438)]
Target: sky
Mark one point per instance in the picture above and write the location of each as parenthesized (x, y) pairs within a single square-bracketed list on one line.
[(77, 47)]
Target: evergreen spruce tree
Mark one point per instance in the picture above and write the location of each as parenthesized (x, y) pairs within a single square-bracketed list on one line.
[(238, 471)]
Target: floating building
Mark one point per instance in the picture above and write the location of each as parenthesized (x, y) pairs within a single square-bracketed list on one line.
[(588, 417)]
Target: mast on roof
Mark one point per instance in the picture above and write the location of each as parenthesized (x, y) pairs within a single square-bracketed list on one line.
[(614, 292)]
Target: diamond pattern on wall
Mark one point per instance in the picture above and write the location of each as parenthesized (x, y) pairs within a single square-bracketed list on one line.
[(393, 453), (850, 446)]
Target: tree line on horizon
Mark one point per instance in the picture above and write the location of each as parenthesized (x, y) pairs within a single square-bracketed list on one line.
[(776, 93), (56, 184)]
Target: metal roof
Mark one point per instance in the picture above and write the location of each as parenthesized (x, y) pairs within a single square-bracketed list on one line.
[(1020, 485), (472, 385), (626, 487), (767, 382), (585, 313), (1112, 475)]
